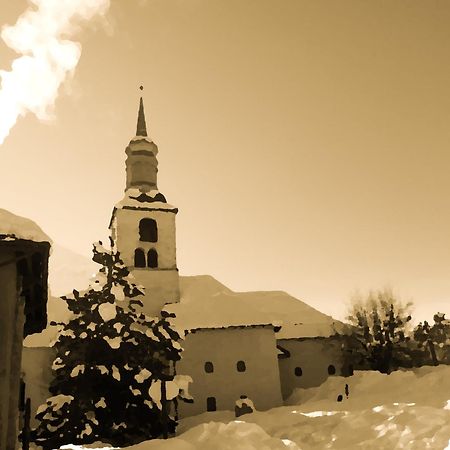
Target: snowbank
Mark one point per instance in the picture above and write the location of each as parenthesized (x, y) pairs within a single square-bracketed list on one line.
[(236, 435), (407, 409), (404, 410), (17, 227)]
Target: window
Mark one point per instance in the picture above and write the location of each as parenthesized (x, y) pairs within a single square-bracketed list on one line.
[(241, 366), (298, 371), (152, 258), (211, 404), (331, 370), (139, 258), (209, 367), (148, 230)]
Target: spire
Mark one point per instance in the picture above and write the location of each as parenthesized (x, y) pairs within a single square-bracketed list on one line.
[(141, 129)]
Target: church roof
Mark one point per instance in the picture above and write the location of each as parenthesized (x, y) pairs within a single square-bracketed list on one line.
[(206, 303)]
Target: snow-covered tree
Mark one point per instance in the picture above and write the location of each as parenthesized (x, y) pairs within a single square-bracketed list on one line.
[(379, 323), (436, 337), (114, 377)]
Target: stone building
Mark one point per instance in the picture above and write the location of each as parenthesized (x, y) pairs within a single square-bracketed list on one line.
[(24, 252), (258, 344)]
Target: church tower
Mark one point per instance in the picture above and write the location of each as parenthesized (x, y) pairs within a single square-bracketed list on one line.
[(143, 224)]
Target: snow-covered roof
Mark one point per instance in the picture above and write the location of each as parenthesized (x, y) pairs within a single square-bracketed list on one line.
[(206, 303), (148, 201), (13, 227)]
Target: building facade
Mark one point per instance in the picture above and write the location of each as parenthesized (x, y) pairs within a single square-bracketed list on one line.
[(24, 252)]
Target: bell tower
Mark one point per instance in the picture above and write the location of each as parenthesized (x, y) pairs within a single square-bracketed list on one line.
[(143, 224)]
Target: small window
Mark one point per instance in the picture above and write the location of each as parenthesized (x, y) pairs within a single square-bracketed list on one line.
[(209, 367), (331, 370), (152, 258), (241, 366), (298, 371), (211, 404), (148, 230), (139, 258)]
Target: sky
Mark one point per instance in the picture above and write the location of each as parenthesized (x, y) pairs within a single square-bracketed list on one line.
[(305, 143)]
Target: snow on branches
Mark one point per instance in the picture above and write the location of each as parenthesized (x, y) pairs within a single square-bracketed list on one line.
[(111, 360)]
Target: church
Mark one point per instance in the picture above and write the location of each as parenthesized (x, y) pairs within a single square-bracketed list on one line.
[(259, 344)]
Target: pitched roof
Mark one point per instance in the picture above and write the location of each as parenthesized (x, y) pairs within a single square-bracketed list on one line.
[(206, 303)]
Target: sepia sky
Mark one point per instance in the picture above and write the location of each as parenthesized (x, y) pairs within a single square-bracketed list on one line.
[(306, 143)]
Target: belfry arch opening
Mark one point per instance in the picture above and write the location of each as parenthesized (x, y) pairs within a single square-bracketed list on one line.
[(148, 230), (152, 258), (139, 258)]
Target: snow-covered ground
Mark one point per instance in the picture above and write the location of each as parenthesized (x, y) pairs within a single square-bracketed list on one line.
[(404, 410)]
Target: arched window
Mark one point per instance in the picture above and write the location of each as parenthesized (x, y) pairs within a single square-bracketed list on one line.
[(298, 371), (211, 404), (241, 366), (331, 370), (148, 230), (139, 258), (209, 367), (152, 258)]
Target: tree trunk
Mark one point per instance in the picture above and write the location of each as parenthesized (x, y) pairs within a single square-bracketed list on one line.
[(164, 409), (432, 352)]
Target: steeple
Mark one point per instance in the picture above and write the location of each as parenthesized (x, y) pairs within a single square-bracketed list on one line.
[(141, 129), (141, 163)]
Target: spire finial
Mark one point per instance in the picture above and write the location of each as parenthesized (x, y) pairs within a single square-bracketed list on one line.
[(141, 129)]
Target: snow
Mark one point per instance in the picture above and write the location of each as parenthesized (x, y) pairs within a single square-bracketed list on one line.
[(77, 370), (118, 293), (130, 201), (206, 303), (116, 373), (172, 390), (404, 410), (56, 402), (107, 311), (101, 403), (407, 409), (142, 375), (113, 342), (17, 227)]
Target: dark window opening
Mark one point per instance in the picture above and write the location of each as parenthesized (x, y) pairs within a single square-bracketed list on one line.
[(152, 258), (148, 230), (139, 258), (211, 404), (241, 366), (209, 367), (331, 370), (298, 371)]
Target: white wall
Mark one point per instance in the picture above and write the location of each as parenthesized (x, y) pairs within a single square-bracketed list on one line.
[(224, 347), (313, 356)]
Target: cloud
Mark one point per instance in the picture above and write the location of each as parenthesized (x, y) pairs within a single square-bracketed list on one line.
[(47, 56)]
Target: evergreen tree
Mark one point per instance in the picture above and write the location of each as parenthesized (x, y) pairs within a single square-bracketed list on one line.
[(378, 327), (114, 375), (436, 337)]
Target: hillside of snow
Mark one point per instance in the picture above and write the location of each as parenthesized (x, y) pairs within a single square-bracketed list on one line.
[(404, 410), (68, 270)]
